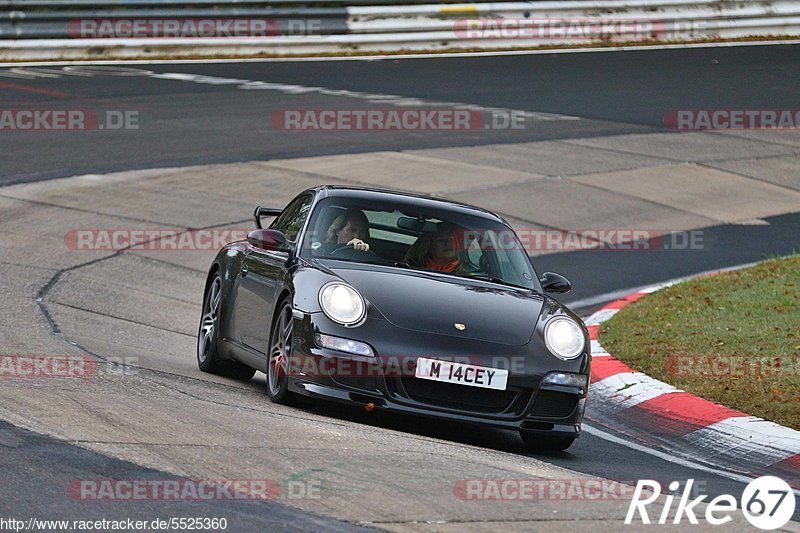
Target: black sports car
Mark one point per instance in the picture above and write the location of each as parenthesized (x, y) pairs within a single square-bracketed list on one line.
[(398, 302)]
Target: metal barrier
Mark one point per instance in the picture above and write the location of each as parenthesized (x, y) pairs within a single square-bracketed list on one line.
[(141, 28)]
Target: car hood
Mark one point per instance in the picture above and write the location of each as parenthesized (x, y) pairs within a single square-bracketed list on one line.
[(435, 304)]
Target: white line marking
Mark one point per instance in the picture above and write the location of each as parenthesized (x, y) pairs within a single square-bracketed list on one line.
[(747, 437), (627, 389), (407, 56), (686, 463), (616, 295), (599, 351), (654, 288), (256, 85), (600, 316)]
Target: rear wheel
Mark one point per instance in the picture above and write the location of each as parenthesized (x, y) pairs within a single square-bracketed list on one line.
[(280, 349), (536, 442), (208, 359)]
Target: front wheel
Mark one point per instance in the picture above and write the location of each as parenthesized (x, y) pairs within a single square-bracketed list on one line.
[(536, 442), (280, 349)]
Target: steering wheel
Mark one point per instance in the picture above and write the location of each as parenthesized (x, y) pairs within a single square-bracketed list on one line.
[(348, 252)]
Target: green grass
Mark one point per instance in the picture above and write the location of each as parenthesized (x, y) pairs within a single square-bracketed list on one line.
[(733, 338)]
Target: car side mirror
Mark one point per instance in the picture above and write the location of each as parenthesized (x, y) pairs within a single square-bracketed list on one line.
[(552, 282), (271, 240)]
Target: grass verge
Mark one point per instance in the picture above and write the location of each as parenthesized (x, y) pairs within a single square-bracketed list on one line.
[(733, 338)]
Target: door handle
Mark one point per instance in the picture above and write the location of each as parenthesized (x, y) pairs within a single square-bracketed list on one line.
[(243, 271)]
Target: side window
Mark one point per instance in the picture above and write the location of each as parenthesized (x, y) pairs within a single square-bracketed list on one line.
[(291, 221)]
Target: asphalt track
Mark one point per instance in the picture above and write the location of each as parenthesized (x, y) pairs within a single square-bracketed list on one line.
[(38, 468), (188, 123), (192, 123)]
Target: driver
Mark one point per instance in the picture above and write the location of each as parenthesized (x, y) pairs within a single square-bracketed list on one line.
[(351, 228)]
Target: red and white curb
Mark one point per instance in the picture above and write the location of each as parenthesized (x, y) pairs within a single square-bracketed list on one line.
[(663, 416)]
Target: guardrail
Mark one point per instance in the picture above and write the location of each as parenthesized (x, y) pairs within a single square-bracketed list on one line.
[(139, 28), (260, 21)]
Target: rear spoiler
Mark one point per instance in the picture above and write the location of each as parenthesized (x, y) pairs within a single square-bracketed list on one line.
[(265, 212)]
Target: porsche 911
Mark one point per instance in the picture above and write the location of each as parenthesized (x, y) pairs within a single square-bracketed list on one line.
[(403, 303)]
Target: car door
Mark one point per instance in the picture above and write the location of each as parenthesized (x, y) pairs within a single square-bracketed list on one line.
[(261, 277)]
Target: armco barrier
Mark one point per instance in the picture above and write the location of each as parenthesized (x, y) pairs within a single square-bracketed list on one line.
[(57, 29), (52, 23)]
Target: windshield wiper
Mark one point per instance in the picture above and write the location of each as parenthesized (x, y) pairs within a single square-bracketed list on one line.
[(492, 279), (486, 277)]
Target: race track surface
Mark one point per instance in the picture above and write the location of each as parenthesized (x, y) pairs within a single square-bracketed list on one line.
[(190, 123), (593, 153)]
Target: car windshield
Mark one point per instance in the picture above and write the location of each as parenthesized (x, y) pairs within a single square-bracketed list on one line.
[(403, 235)]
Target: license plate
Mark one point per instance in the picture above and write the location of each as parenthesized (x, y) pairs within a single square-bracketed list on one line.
[(461, 374)]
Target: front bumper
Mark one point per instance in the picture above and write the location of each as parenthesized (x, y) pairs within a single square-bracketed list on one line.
[(387, 381)]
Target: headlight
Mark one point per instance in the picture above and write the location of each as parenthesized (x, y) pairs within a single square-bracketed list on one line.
[(564, 338), (342, 303)]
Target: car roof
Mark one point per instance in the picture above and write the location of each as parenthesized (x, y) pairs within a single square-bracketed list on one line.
[(383, 195)]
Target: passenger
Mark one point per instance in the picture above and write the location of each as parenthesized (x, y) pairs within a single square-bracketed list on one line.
[(438, 250), (351, 228)]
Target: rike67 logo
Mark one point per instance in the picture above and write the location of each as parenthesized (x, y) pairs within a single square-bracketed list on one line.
[(767, 503)]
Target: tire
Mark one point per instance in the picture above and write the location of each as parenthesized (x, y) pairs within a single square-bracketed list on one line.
[(280, 346), (536, 442), (208, 359)]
